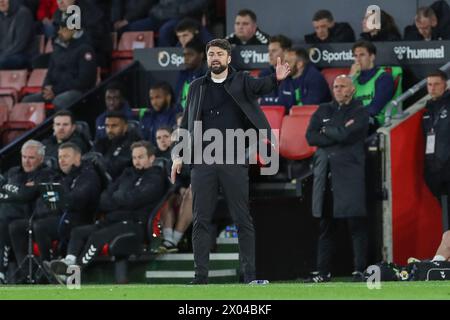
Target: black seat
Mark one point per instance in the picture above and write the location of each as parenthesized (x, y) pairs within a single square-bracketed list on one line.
[(85, 132), (96, 158), (135, 126)]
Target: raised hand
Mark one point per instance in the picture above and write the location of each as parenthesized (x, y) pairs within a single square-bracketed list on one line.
[(282, 70)]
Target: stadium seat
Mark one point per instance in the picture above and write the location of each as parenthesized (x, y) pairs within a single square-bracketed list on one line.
[(119, 64), (331, 73), (307, 110), (255, 73), (35, 82), (133, 40), (22, 117), (11, 82), (274, 115), (293, 144), (4, 110)]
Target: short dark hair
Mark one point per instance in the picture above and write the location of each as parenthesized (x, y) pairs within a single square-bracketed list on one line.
[(365, 44), (300, 52), (220, 43), (196, 45), (70, 145), (166, 128), (114, 86), (116, 114), (247, 12), (65, 113), (144, 144), (438, 73), (164, 86), (188, 24), (323, 14), (285, 42)]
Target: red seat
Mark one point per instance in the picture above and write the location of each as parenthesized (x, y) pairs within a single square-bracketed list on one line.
[(255, 73), (120, 64), (274, 115), (4, 110), (293, 144), (331, 73), (306, 110), (22, 117), (114, 37), (11, 82), (133, 40), (35, 81)]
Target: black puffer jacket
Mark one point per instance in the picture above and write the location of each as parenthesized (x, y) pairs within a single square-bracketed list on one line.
[(133, 195), (18, 200)]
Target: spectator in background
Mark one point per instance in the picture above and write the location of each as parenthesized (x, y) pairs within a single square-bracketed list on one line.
[(80, 186), (388, 31), (277, 48), (374, 86), (115, 147), (436, 130), (44, 16), (71, 72), (95, 25), (428, 27), (126, 205), (246, 31), (305, 84), (163, 143), (17, 32), (189, 29), (114, 101), (195, 67), (164, 15), (125, 12), (162, 111), (64, 130), (327, 30)]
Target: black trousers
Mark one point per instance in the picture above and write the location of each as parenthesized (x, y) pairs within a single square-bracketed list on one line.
[(44, 231), (234, 181), (439, 184), (5, 244), (327, 240), (86, 242)]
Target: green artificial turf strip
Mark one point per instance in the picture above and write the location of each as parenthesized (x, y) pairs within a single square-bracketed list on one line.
[(285, 291)]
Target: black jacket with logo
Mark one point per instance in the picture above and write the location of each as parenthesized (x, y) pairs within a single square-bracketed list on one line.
[(72, 66), (341, 153), (133, 195), (437, 118)]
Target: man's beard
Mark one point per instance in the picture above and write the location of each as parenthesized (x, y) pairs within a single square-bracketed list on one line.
[(218, 69)]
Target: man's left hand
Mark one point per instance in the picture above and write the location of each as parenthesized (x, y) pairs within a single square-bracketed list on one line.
[(282, 70)]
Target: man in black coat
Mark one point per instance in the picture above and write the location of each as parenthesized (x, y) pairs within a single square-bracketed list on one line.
[(64, 130), (436, 130), (126, 205), (72, 70), (18, 195), (79, 189), (327, 30), (223, 100), (339, 129)]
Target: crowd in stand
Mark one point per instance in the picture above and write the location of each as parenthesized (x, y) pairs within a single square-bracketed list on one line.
[(118, 163)]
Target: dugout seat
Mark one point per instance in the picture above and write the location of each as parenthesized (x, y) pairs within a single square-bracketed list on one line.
[(306, 110), (331, 73)]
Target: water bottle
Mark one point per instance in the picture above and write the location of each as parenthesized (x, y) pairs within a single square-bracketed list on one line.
[(260, 282)]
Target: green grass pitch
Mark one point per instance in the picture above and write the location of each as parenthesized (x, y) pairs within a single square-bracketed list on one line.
[(272, 291)]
